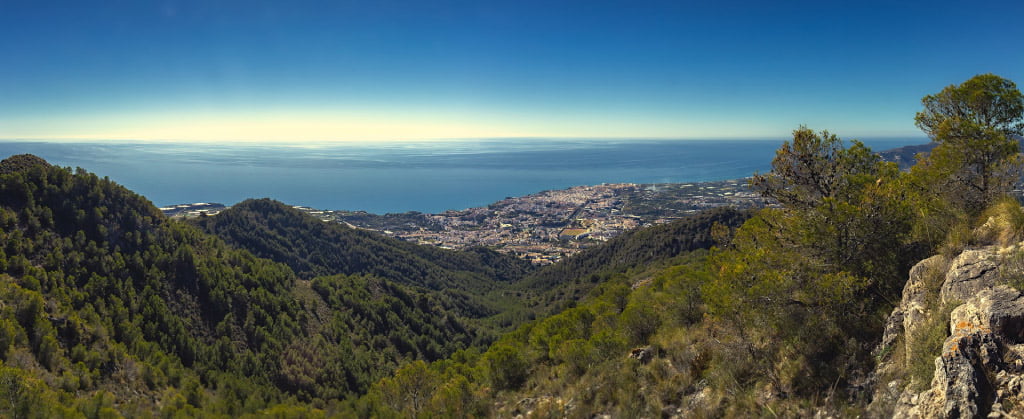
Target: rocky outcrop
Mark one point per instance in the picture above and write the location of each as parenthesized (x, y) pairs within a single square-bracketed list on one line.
[(980, 371), (984, 333), (971, 271)]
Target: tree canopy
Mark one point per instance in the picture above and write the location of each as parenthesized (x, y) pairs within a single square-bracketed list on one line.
[(985, 100), (974, 123)]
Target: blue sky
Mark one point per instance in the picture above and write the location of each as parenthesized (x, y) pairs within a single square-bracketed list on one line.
[(388, 69)]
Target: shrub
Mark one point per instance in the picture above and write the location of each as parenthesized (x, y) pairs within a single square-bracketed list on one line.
[(925, 344), (1003, 223)]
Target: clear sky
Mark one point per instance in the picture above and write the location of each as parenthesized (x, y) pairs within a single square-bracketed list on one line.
[(391, 69)]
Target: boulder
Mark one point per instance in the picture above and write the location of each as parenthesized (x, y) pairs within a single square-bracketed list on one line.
[(643, 354)]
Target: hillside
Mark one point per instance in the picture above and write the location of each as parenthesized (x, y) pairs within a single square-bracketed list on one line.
[(472, 282), (311, 247), (109, 306), (906, 156), (104, 296)]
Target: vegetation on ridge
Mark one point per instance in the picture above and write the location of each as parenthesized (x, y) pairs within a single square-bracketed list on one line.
[(312, 248), (571, 279)]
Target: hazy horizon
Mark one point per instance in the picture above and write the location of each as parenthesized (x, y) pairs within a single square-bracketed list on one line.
[(398, 141)]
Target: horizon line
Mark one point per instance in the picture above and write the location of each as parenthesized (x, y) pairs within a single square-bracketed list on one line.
[(436, 139)]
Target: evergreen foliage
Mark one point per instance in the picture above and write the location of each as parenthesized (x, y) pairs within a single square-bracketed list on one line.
[(110, 296), (473, 283), (977, 157)]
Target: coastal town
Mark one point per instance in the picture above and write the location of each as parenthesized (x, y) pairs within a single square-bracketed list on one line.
[(542, 227)]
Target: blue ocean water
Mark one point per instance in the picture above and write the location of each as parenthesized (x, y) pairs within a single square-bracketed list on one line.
[(403, 176)]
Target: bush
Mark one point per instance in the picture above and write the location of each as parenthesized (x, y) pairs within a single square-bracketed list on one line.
[(958, 238), (1003, 223), (506, 367), (925, 344)]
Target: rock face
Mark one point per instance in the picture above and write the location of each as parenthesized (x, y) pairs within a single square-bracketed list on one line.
[(980, 371), (971, 272), (984, 333)]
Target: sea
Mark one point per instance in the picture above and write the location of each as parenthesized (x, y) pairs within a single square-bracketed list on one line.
[(401, 176)]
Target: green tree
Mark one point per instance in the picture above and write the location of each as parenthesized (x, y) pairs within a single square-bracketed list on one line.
[(842, 205), (976, 160), (812, 168), (506, 367), (410, 389), (19, 393), (458, 398)]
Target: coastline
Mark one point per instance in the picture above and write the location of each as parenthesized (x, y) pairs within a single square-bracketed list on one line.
[(542, 227)]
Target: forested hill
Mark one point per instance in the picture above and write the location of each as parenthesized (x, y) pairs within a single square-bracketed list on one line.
[(102, 293), (474, 283), (108, 306), (312, 248)]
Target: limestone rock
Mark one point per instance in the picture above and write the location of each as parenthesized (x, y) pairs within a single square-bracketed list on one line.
[(980, 365), (998, 310), (971, 271)]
